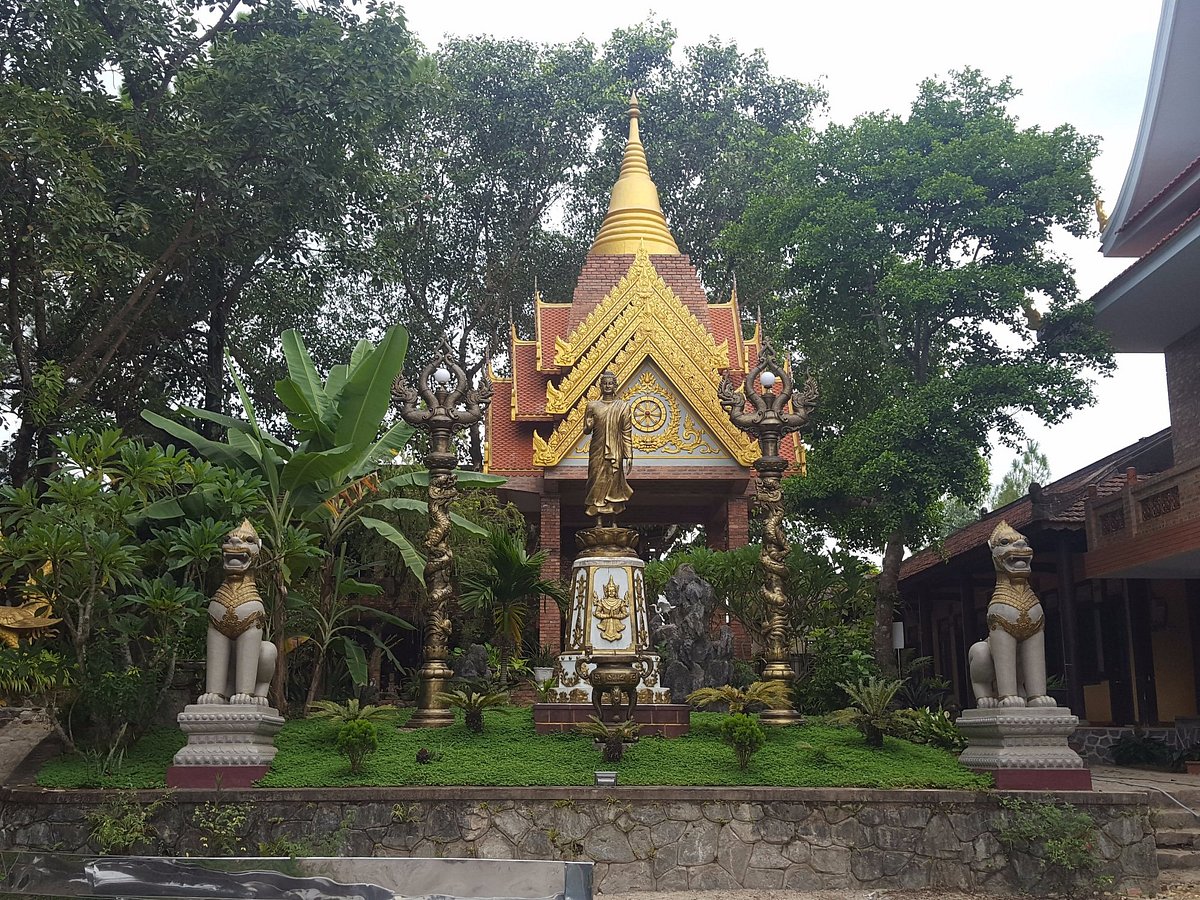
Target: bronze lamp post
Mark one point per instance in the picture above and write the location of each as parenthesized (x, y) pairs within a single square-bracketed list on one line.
[(768, 420), (442, 402)]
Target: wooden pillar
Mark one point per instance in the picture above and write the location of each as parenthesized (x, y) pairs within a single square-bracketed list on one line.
[(969, 633), (1137, 600), (716, 529), (549, 541), (1192, 593), (1065, 572), (925, 622)]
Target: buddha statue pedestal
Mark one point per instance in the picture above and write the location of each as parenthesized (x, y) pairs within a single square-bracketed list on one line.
[(229, 745), (608, 617)]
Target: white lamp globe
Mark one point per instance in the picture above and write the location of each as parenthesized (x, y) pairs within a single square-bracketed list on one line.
[(768, 380), (441, 375)]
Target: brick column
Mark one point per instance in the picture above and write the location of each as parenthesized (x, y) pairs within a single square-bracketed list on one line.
[(737, 522), (550, 533)]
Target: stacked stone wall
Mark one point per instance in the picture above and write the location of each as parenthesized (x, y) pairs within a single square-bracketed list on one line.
[(642, 838)]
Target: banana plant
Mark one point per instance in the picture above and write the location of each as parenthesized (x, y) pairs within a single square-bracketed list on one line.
[(331, 478)]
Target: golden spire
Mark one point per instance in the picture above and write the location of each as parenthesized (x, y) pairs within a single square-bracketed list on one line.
[(634, 214)]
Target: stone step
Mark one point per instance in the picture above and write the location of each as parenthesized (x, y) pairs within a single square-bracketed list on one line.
[(1174, 819), (1184, 839), (1178, 859)]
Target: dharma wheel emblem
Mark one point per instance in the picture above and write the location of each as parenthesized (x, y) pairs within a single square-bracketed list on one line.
[(649, 414)]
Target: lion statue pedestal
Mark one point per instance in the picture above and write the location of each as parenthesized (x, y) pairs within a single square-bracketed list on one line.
[(1019, 733), (231, 728)]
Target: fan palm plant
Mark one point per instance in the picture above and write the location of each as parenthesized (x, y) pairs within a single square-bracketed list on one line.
[(350, 711), (872, 713), (771, 694), (507, 586), (473, 703), (614, 735)]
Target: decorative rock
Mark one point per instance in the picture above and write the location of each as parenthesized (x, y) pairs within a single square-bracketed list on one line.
[(473, 664), (696, 660)]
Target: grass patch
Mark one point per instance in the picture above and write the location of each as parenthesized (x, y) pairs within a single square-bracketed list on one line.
[(144, 765), (510, 753)]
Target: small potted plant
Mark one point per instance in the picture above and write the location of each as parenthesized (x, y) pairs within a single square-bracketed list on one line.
[(543, 664)]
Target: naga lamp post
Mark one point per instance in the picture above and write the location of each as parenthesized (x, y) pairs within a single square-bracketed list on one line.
[(442, 402), (768, 420)]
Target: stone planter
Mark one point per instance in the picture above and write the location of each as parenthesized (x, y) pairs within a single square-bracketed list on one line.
[(542, 674), (606, 779)]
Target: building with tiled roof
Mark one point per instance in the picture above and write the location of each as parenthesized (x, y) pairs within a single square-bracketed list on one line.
[(1117, 544), (640, 310)]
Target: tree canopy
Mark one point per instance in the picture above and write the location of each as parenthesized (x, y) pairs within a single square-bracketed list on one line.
[(902, 257), (176, 182), (166, 180)]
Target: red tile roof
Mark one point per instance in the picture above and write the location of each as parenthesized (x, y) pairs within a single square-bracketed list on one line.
[(1153, 201), (552, 323), (1060, 504)]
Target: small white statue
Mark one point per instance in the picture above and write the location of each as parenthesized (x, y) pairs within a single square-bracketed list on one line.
[(1009, 668), (240, 663)]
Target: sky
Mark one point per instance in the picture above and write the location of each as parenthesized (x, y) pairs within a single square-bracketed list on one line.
[(1083, 63)]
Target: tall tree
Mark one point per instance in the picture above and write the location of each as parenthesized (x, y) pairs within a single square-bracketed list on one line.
[(1030, 465), (900, 256), (243, 143)]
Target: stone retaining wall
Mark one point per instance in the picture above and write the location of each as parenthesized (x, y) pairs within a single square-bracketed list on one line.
[(639, 838)]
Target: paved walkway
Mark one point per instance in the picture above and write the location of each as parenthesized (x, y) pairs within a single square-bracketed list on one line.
[(17, 739)]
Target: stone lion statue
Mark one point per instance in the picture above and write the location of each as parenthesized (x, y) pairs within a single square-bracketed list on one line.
[(1009, 668), (240, 663)]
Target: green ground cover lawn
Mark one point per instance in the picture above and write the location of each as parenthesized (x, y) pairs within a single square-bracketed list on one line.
[(510, 752)]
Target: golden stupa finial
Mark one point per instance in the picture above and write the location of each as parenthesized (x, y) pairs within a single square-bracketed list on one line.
[(634, 214)]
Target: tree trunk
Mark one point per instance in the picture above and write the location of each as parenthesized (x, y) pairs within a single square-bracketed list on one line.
[(22, 453), (887, 595), (314, 685), (279, 629), (476, 447), (214, 351)]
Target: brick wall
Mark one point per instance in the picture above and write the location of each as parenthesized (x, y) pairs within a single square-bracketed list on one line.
[(549, 618), (1183, 392)]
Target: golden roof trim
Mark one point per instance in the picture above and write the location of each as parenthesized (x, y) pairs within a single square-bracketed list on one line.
[(641, 303)]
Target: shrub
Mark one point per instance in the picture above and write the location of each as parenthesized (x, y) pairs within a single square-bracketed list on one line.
[(1060, 836), (356, 739), (223, 827), (872, 712), (744, 735), (771, 694), (925, 726), (614, 736), (1138, 749), (837, 655), (123, 823), (473, 703), (350, 711)]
